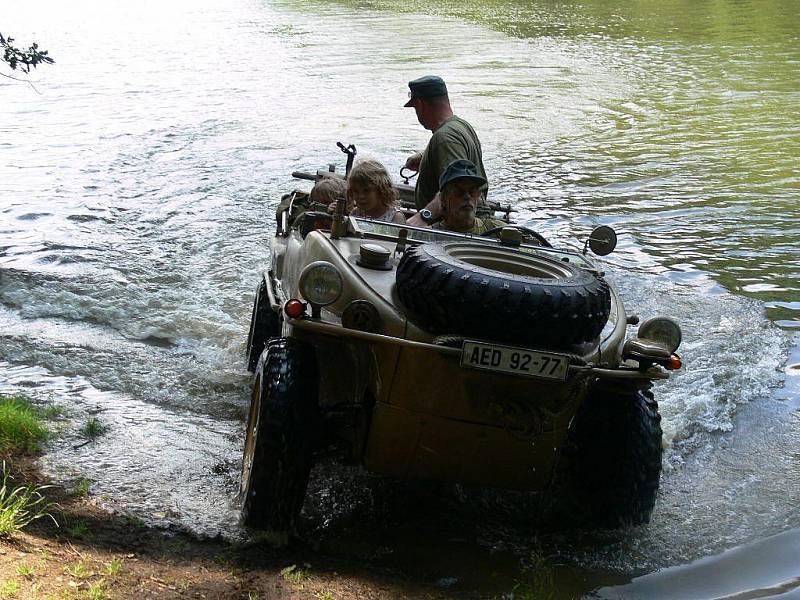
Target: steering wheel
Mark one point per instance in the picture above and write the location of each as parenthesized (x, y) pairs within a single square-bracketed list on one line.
[(525, 230)]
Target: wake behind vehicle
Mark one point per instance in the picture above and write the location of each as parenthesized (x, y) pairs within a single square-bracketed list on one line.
[(422, 354)]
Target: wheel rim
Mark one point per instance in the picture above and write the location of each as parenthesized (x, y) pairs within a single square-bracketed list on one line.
[(512, 263), (250, 438)]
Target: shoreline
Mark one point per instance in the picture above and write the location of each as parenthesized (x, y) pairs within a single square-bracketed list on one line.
[(100, 555)]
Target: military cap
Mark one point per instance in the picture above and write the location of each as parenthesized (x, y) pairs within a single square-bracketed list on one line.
[(428, 86), (460, 169)]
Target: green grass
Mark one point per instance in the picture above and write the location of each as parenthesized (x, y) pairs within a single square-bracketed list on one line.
[(537, 581), (76, 529), (25, 571), (134, 521), (293, 574), (96, 591), (53, 411), (9, 589), (93, 428), (82, 488), (114, 567), (21, 505), (21, 427), (79, 570)]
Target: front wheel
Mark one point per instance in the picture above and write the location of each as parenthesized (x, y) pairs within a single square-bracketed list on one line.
[(280, 434), (610, 465), (264, 325)]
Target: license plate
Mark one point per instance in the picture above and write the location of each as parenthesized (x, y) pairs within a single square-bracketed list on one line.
[(518, 361)]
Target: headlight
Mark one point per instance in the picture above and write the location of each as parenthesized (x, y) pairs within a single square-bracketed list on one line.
[(321, 283), (663, 330)]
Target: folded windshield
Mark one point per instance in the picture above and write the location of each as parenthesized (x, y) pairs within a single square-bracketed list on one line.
[(383, 230)]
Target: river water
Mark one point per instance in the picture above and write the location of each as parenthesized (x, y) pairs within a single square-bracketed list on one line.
[(139, 173)]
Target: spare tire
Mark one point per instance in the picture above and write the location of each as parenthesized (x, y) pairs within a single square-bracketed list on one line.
[(501, 294)]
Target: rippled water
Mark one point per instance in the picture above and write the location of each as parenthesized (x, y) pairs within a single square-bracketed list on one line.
[(138, 177)]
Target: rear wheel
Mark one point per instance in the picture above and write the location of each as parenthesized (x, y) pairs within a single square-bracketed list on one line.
[(280, 433), (264, 324), (609, 468)]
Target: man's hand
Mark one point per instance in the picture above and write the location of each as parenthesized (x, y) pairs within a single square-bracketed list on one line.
[(435, 206), (412, 162)]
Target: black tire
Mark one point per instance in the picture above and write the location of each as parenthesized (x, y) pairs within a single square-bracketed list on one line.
[(281, 429), (264, 325), (608, 471), (478, 290)]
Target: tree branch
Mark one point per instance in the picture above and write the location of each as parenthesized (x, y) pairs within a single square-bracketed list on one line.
[(25, 60)]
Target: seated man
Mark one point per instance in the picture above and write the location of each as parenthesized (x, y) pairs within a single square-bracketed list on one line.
[(460, 189)]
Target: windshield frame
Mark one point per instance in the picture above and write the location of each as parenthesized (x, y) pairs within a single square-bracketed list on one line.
[(366, 229)]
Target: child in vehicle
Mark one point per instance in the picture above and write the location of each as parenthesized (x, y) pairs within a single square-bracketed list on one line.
[(326, 191), (370, 189)]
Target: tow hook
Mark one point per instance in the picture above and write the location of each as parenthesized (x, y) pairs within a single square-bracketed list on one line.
[(408, 177)]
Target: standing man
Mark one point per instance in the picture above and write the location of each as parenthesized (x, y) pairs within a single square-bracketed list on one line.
[(453, 138)]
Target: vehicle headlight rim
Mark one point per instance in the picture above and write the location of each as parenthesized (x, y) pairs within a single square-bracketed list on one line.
[(663, 330), (326, 273)]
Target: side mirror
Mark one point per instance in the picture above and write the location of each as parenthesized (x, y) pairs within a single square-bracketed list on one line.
[(602, 241)]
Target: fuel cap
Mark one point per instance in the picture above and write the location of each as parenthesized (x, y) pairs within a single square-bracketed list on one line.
[(374, 256)]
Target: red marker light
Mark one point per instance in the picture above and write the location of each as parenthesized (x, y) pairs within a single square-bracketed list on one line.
[(294, 308), (675, 362)]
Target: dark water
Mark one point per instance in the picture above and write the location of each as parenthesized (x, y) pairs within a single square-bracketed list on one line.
[(137, 181)]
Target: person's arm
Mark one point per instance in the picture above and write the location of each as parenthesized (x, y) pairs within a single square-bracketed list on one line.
[(399, 218), (412, 162), (435, 206)]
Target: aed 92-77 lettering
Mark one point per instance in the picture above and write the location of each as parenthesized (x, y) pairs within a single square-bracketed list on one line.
[(522, 362), (517, 361)]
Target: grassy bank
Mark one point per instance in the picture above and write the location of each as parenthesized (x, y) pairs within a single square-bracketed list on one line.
[(60, 544), (21, 431), (21, 426)]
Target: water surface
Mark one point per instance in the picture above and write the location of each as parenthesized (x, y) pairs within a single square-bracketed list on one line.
[(138, 181)]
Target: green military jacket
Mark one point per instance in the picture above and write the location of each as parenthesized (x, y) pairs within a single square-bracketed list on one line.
[(455, 139), (480, 226)]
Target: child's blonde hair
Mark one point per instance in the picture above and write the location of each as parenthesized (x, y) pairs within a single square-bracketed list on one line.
[(327, 190), (372, 174)]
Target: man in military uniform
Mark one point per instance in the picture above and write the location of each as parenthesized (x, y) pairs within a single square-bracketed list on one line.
[(453, 138), (460, 189)]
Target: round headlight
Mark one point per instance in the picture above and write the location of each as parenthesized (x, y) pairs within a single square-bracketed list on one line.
[(321, 283), (663, 330)]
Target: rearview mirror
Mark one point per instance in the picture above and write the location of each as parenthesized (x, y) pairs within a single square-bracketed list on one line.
[(602, 241)]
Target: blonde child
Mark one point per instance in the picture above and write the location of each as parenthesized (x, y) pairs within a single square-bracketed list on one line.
[(370, 190)]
